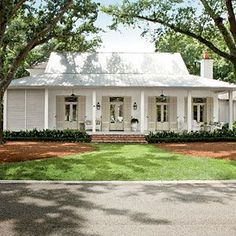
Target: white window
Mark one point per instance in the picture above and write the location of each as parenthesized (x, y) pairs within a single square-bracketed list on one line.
[(199, 109)]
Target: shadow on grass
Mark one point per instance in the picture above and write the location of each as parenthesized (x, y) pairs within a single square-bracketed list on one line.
[(117, 162)]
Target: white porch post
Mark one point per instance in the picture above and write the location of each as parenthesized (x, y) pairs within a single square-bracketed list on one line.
[(189, 111), (215, 108), (230, 109), (5, 111), (142, 113), (94, 111), (46, 109)]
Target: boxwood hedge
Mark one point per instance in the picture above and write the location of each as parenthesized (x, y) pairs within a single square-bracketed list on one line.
[(48, 135), (198, 136)]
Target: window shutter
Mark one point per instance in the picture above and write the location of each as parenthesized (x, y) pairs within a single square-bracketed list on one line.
[(105, 113), (127, 113), (60, 112), (173, 113), (81, 109), (209, 109), (151, 113)]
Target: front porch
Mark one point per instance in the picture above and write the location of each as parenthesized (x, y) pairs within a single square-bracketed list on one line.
[(110, 112)]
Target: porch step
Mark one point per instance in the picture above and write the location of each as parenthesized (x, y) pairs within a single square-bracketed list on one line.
[(118, 138)]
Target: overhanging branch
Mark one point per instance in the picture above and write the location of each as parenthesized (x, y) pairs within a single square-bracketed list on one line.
[(231, 18), (190, 34)]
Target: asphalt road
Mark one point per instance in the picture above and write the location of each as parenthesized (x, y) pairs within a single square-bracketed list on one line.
[(93, 209)]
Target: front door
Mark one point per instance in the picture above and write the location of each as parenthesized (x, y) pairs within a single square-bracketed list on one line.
[(71, 113), (116, 113), (162, 108)]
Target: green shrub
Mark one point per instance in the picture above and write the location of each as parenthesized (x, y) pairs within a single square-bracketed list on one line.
[(198, 136), (48, 135)]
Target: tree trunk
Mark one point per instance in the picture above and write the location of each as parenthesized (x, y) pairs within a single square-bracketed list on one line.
[(1, 119)]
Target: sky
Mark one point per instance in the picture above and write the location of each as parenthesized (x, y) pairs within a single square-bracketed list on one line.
[(123, 40)]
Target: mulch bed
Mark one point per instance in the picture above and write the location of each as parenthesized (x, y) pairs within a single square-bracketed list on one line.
[(218, 150), (24, 151)]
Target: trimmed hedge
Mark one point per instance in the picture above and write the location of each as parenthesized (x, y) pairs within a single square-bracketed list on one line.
[(198, 136), (48, 135)]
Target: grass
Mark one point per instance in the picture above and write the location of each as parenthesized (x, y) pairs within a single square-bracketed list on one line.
[(121, 162)]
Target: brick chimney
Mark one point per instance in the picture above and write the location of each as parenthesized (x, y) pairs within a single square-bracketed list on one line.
[(206, 66)]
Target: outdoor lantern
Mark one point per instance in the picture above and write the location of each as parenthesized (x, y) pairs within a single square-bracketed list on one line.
[(135, 106), (162, 94), (98, 106)]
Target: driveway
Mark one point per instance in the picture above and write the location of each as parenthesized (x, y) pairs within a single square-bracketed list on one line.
[(118, 208)]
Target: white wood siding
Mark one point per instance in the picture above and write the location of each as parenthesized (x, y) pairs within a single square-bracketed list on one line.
[(16, 110), (25, 109), (35, 109)]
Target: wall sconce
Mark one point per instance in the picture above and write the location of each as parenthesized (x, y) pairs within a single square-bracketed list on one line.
[(98, 106), (135, 106), (162, 94)]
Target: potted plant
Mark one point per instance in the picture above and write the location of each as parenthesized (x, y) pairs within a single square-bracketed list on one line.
[(134, 124)]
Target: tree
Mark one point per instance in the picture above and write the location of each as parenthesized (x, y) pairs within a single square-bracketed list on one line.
[(191, 51), (208, 21), (26, 25)]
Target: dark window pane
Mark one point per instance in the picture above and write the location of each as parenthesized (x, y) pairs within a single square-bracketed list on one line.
[(67, 112)]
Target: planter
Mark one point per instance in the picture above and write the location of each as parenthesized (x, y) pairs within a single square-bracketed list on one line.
[(134, 126)]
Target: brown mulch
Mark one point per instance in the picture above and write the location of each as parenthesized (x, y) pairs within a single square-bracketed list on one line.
[(23, 151), (218, 150)]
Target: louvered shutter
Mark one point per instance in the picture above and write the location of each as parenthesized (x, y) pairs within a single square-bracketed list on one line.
[(127, 113), (60, 112), (173, 113), (151, 114), (105, 113)]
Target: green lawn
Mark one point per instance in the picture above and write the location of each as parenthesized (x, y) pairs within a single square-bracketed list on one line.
[(121, 162)]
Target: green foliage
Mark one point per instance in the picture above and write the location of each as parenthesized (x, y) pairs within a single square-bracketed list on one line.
[(39, 28), (48, 135), (202, 20), (191, 51), (198, 136)]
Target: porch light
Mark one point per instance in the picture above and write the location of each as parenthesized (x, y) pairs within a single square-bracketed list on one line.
[(135, 106), (98, 106), (72, 93), (162, 94)]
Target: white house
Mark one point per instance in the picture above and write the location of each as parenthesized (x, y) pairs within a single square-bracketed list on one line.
[(102, 92)]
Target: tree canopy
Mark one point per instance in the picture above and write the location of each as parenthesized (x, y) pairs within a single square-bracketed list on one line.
[(30, 29), (192, 52), (210, 22)]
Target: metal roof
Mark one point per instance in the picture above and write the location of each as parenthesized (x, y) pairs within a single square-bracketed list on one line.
[(116, 63), (118, 70), (120, 80)]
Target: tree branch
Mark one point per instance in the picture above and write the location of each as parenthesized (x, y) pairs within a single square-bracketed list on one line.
[(37, 40), (17, 6), (191, 34), (219, 23), (231, 18)]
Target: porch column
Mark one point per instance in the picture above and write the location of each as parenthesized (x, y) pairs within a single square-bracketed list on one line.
[(94, 111), (142, 113), (189, 111), (230, 109), (46, 109), (5, 111)]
